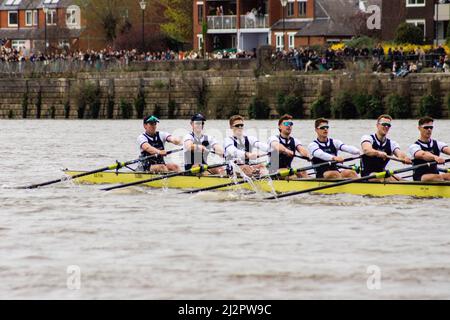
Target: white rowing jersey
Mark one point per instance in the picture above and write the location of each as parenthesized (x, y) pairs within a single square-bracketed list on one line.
[(236, 148), (316, 149)]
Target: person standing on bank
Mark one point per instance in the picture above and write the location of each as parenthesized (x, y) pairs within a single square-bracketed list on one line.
[(152, 142), (377, 148), (325, 149), (282, 147), (426, 150), (241, 147), (197, 146)]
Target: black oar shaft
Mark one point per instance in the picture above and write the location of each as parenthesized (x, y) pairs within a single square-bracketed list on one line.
[(115, 166)]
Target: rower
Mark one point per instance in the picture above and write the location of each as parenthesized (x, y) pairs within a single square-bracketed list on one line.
[(197, 146), (325, 149), (151, 142), (377, 149), (282, 147), (240, 147), (425, 150)]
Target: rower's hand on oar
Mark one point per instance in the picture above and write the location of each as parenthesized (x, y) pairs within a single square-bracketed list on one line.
[(407, 160), (439, 160), (338, 159), (162, 153), (251, 155), (289, 153), (382, 155)]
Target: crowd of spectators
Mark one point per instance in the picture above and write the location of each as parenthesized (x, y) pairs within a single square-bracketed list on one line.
[(396, 60)]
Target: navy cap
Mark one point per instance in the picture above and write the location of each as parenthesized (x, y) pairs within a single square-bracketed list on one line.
[(150, 119), (198, 117)]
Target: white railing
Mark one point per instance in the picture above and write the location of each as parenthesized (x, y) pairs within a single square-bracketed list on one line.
[(251, 21), (221, 22)]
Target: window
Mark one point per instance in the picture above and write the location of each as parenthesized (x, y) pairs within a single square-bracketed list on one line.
[(291, 37), (302, 8), (200, 13), (72, 16), (28, 18), (418, 23), (35, 18), (51, 17), (200, 41), (290, 9), (415, 3), (13, 19), (19, 44), (233, 42), (280, 41)]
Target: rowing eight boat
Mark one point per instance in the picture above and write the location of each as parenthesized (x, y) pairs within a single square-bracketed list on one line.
[(378, 189)]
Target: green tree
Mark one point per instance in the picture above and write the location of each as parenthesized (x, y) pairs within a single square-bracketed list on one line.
[(107, 14), (408, 33), (179, 16)]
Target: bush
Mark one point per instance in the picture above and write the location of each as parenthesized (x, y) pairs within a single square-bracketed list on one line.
[(139, 104), (361, 42), (430, 106), (110, 107), (368, 106), (343, 107), (290, 104), (52, 112), (67, 109), (321, 108), (25, 105), (399, 107), (126, 109), (448, 105), (259, 109), (10, 114), (88, 95), (157, 111), (408, 33), (171, 108), (39, 105)]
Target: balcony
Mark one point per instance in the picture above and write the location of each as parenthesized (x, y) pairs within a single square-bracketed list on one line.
[(250, 21), (442, 12), (222, 22)]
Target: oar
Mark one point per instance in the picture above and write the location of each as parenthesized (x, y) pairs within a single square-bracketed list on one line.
[(115, 166), (379, 175), (193, 171), (280, 174)]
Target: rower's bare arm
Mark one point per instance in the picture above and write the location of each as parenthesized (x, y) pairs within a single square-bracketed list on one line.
[(402, 156), (446, 150), (426, 156), (175, 140), (218, 150), (371, 152), (303, 152), (149, 149)]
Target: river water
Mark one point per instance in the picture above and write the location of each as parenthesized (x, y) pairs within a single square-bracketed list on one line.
[(75, 242)]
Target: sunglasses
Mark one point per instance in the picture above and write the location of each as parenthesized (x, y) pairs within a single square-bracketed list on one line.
[(428, 127), (199, 123), (324, 127), (240, 125), (385, 124), (288, 123)]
